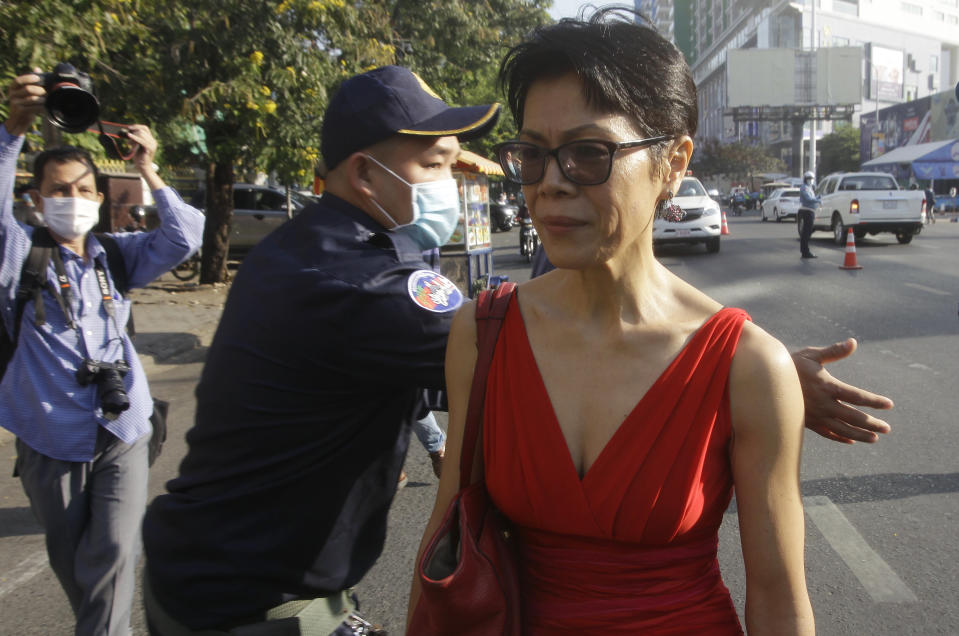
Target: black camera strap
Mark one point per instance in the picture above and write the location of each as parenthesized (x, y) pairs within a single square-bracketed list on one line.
[(64, 296)]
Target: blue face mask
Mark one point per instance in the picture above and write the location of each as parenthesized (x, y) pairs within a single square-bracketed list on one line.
[(436, 209)]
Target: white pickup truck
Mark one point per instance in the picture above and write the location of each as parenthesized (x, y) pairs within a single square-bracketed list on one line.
[(870, 203)]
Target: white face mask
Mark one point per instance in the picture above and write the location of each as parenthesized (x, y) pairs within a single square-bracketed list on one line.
[(70, 217), (436, 208)]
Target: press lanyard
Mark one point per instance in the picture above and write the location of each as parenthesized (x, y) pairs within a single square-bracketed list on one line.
[(64, 295)]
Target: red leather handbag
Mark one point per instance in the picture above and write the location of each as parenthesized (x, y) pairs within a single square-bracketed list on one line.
[(468, 576)]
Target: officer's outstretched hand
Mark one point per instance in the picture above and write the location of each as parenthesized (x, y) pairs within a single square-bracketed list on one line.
[(25, 96), (829, 401)]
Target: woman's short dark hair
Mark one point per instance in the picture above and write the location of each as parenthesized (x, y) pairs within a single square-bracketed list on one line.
[(625, 67), (62, 154)]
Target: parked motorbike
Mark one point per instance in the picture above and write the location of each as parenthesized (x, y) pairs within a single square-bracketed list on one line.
[(528, 239)]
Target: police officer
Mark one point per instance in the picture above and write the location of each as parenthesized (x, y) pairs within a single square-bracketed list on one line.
[(312, 381), (808, 202)]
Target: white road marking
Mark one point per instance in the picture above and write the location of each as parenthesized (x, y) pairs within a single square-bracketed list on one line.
[(928, 289), (23, 572), (875, 575)]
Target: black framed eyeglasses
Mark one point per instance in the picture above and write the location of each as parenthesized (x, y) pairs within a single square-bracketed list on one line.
[(583, 162)]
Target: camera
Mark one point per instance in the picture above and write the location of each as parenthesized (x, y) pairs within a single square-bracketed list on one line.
[(108, 376), (70, 102)]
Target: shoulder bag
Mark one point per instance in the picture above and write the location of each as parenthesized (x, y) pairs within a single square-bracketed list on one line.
[(468, 575)]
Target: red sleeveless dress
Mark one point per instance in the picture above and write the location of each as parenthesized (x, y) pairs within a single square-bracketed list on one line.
[(631, 547)]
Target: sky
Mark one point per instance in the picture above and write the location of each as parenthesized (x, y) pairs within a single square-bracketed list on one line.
[(570, 8)]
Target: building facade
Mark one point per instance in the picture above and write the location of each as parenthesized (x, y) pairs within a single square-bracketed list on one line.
[(661, 15), (910, 50)]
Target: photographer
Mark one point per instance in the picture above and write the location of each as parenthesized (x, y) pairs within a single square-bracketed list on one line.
[(73, 391)]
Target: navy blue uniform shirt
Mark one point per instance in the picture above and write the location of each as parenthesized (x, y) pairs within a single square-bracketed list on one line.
[(331, 329)]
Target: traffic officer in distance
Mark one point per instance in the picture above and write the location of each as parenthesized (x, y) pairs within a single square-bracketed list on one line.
[(809, 202), (332, 327)]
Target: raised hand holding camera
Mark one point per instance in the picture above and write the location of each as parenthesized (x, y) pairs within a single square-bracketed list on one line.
[(144, 155), (66, 93), (70, 102), (26, 96)]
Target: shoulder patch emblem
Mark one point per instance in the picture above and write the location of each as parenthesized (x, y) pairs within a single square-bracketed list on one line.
[(433, 291)]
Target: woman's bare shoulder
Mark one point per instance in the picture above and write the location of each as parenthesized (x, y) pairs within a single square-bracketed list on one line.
[(760, 353), (763, 384), (463, 327)]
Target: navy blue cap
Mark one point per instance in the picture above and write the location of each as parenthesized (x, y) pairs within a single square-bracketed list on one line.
[(390, 100)]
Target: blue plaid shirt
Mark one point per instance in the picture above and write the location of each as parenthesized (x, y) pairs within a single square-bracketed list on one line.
[(40, 399)]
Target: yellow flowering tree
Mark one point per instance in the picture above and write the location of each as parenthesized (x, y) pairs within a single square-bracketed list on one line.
[(241, 85), (41, 34), (243, 88)]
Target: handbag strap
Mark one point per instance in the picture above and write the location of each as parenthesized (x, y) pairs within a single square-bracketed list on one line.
[(490, 310)]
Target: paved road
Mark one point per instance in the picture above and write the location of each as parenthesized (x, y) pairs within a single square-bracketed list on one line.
[(881, 519)]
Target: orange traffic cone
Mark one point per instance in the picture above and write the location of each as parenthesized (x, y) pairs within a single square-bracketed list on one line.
[(850, 262), (725, 227)]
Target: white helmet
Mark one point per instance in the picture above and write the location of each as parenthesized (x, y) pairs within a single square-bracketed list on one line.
[(809, 175)]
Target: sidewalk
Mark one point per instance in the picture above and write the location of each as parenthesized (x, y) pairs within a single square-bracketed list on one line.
[(175, 322)]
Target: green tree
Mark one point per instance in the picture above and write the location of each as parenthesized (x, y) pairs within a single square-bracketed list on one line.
[(243, 87), (254, 77), (737, 161), (457, 46), (839, 151), (40, 34), (707, 159)]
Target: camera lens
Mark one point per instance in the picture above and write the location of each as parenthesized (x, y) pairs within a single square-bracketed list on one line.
[(72, 108), (113, 396)]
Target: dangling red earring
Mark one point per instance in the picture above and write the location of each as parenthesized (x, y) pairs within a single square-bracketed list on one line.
[(668, 210)]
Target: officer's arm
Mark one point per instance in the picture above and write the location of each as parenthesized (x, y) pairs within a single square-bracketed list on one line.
[(830, 403), (400, 328)]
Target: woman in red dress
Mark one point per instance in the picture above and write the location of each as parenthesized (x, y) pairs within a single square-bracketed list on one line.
[(623, 406)]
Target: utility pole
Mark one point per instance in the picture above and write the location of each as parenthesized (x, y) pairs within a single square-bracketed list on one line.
[(813, 122)]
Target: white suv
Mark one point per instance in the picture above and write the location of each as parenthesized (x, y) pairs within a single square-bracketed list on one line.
[(702, 223)]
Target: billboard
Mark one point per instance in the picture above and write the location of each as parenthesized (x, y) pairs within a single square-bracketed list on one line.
[(932, 118), (760, 77), (785, 77), (839, 75), (886, 73)]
